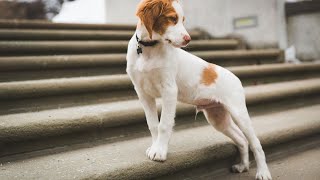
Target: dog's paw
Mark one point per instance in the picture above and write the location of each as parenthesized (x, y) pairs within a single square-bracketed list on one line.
[(263, 175), (157, 153), (239, 168)]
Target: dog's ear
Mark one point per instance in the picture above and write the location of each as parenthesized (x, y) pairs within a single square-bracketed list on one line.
[(148, 12)]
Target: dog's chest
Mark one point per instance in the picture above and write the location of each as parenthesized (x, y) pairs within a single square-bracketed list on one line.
[(150, 82), (149, 73), (145, 64)]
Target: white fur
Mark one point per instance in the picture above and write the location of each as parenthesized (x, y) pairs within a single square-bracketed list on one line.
[(173, 74), (177, 32)]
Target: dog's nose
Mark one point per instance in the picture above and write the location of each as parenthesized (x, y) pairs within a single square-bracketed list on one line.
[(187, 38)]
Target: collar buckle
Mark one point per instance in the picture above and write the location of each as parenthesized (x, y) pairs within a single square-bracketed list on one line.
[(144, 43), (139, 49)]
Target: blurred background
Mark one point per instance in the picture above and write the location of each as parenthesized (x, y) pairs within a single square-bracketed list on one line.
[(261, 23)]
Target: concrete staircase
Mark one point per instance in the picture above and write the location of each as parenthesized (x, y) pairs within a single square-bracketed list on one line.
[(69, 111)]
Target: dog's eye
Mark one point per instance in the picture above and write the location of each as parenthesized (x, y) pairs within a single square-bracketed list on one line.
[(173, 19)]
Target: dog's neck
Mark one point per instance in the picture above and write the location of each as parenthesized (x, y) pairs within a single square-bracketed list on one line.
[(145, 45), (143, 34), (149, 51)]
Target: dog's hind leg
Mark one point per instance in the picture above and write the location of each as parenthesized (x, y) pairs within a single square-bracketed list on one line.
[(220, 118), (240, 115)]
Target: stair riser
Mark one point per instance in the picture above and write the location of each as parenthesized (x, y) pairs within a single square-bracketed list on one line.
[(45, 103), (60, 73), (8, 48), (17, 35), (278, 78)]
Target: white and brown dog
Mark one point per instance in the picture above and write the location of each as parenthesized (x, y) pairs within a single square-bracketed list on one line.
[(158, 68)]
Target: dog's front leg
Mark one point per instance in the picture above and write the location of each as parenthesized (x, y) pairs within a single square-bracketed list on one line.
[(158, 151), (150, 110)]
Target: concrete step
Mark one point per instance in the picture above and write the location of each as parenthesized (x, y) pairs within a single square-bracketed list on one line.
[(139, 129), (51, 73), (121, 114), (286, 161), (14, 48), (25, 34), (40, 24), (115, 63), (244, 57), (189, 148), (109, 83), (303, 164), (61, 93)]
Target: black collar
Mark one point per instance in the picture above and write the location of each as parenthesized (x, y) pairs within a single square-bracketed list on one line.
[(147, 43), (144, 43)]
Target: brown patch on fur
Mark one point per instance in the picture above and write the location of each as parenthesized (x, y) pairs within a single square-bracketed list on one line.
[(209, 75), (157, 15)]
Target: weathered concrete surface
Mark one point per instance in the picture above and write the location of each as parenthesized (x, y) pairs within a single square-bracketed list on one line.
[(282, 90), (124, 113), (278, 159), (222, 57), (224, 44), (272, 53), (250, 75), (13, 48), (47, 87), (268, 69), (26, 34), (16, 63), (107, 83), (13, 34), (35, 24), (127, 160), (304, 165)]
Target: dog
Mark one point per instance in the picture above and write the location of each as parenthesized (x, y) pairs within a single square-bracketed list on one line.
[(159, 68)]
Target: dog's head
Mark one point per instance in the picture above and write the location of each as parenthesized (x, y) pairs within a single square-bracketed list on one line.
[(164, 18)]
